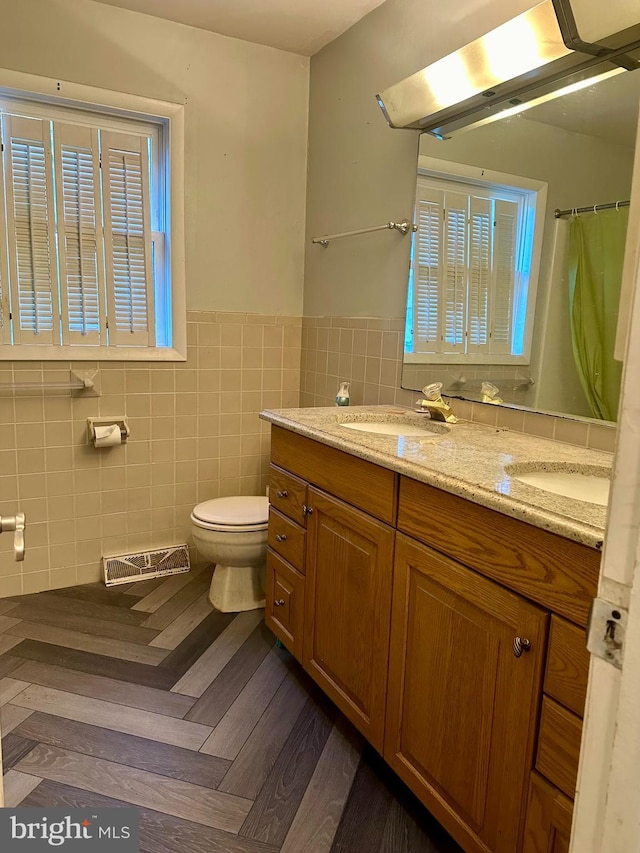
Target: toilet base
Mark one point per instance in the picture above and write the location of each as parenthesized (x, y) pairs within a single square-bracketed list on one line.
[(237, 588)]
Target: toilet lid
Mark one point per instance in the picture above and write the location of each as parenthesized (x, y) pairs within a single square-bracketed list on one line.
[(236, 511)]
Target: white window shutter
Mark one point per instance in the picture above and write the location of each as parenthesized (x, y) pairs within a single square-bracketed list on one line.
[(5, 322), (480, 234), (504, 271), (454, 280), (427, 271), (31, 229), (79, 235), (127, 233)]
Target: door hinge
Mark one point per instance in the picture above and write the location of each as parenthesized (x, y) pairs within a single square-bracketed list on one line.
[(606, 630)]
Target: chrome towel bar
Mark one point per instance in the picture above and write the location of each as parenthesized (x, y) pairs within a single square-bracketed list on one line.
[(404, 226)]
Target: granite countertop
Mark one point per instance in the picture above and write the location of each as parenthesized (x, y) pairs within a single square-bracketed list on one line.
[(467, 459)]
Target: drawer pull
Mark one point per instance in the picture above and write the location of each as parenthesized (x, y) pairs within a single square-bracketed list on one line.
[(281, 537), (283, 493), (521, 645), (279, 602), (307, 510)]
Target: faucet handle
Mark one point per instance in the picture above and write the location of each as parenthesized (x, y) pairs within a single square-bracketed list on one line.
[(17, 524), (422, 406)]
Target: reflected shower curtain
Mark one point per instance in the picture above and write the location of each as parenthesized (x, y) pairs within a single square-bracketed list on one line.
[(596, 254)]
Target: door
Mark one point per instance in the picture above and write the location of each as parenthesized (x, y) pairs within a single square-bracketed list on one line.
[(463, 695), (348, 609), (606, 807)]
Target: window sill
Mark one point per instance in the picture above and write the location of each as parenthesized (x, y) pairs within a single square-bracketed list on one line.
[(53, 353), (465, 358)]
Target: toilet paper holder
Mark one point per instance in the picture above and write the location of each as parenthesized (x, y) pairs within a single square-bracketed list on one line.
[(122, 423)]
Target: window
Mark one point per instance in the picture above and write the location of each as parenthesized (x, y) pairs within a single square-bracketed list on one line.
[(471, 282), (85, 221)]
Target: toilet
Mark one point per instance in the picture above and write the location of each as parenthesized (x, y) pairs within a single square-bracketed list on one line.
[(232, 533)]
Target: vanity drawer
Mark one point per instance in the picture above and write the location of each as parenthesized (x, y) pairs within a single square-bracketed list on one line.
[(567, 665), (559, 746), (287, 493), (287, 538), (284, 603), (362, 484), (558, 573)]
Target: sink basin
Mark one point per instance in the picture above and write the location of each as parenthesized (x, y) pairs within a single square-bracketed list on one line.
[(392, 429), (416, 426), (588, 483)]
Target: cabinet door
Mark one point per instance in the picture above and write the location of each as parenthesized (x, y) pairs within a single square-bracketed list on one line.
[(348, 609), (462, 706), (284, 603), (549, 816)]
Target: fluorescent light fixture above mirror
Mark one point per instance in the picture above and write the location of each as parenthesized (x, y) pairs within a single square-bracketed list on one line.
[(533, 56)]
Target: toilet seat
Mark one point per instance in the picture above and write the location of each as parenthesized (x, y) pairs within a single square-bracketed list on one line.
[(245, 514)]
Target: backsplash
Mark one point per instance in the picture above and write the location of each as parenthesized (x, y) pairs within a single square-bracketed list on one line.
[(367, 351), (195, 434)]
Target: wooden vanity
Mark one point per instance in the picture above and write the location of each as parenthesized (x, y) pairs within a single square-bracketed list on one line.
[(451, 635)]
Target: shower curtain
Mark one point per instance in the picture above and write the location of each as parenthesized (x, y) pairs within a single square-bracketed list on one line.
[(596, 254)]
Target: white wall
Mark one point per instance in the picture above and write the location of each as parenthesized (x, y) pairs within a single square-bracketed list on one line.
[(360, 171), (246, 135), (195, 431)]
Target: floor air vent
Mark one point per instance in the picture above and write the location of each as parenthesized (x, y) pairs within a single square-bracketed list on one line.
[(143, 565)]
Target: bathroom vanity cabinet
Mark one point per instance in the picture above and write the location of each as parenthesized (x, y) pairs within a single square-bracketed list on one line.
[(331, 606), (451, 635)]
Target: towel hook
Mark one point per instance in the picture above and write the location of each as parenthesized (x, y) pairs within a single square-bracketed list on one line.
[(595, 208)]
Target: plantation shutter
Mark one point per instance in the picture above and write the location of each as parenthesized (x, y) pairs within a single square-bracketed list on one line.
[(79, 235), (5, 328), (480, 233), (454, 280), (31, 231), (125, 181), (504, 274), (427, 270)]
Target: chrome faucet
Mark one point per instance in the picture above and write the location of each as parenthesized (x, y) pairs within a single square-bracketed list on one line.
[(17, 524)]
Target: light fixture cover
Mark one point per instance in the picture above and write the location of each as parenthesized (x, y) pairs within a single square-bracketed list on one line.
[(596, 21), (546, 48)]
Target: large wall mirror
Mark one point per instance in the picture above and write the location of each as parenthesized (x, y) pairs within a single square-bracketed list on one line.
[(500, 290)]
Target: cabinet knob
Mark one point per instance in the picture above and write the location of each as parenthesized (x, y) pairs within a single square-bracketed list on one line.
[(281, 537), (307, 510), (283, 493), (279, 602), (521, 645)]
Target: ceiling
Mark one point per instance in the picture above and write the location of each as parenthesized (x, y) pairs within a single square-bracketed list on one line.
[(607, 110), (300, 26)]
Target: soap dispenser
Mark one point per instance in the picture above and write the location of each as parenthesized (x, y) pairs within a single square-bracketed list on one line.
[(342, 397)]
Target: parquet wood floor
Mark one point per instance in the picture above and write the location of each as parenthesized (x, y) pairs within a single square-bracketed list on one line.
[(145, 696)]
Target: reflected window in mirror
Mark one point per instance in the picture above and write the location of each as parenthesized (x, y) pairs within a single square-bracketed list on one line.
[(581, 146), (474, 266)]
